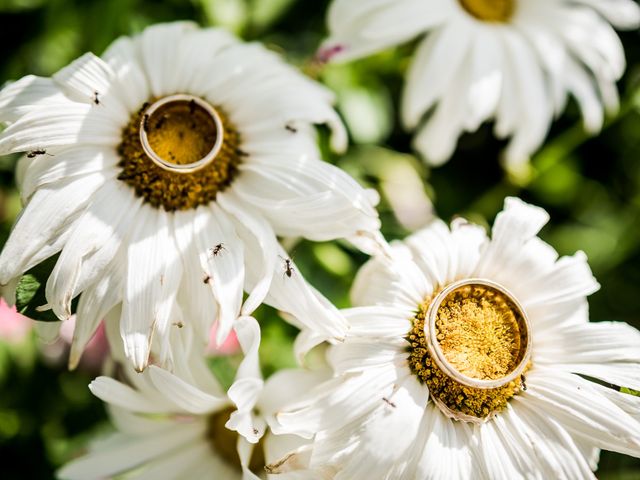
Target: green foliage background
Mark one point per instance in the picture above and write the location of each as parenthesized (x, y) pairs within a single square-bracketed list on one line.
[(589, 185)]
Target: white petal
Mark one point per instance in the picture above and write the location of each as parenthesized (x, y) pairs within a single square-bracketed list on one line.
[(70, 124), (221, 256), (131, 84), (535, 111), (153, 275), (447, 449), (446, 256), (393, 281), (389, 433), (285, 387), (95, 303), (160, 46), (359, 28), (27, 95), (89, 79), (245, 451), (184, 395), (129, 454), (379, 322), (623, 14), (44, 220), (349, 398), (247, 386), (555, 449), (303, 196), (432, 69), (51, 168), (194, 295), (260, 249), (111, 391), (583, 411), (290, 293), (609, 351), (96, 233)]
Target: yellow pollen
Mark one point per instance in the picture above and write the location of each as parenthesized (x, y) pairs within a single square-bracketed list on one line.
[(180, 133), (479, 332), (224, 443), (490, 10), (482, 336)]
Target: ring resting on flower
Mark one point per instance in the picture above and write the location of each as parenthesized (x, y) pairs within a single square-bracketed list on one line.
[(470, 344), (188, 130), (178, 152)]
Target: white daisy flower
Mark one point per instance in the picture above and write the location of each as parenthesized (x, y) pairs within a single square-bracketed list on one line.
[(182, 425), (156, 169), (514, 61), (469, 357)]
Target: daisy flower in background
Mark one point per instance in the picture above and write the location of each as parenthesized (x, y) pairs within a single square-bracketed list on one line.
[(152, 171), (469, 357), (183, 425), (513, 61)]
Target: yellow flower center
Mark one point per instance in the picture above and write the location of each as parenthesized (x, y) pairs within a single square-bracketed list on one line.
[(224, 443), (470, 345), (178, 152), (490, 10)]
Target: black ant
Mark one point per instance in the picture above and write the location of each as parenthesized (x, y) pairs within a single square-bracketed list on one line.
[(96, 97), (144, 106), (241, 153), (215, 251), (206, 279), (288, 267), (291, 128), (145, 123), (523, 382), (35, 153), (389, 402)]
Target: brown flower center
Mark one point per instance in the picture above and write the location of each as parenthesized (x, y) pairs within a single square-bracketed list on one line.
[(470, 345), (490, 10), (178, 152)]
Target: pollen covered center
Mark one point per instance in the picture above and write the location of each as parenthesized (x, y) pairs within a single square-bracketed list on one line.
[(180, 132), (490, 10), (178, 152), (479, 332), (470, 345)]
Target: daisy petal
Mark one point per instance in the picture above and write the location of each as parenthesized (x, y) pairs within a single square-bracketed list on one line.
[(222, 257), (185, 396), (153, 274), (261, 249), (583, 411), (45, 219)]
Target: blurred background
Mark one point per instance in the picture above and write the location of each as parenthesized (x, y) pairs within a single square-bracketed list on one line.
[(591, 187)]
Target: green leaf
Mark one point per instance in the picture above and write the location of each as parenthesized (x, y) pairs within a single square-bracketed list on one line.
[(26, 290), (30, 292)]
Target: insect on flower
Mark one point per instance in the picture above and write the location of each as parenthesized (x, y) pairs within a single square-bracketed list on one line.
[(96, 97), (287, 266), (35, 153), (215, 251), (291, 128)]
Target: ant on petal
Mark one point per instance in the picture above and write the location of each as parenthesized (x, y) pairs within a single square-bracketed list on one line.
[(287, 266)]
